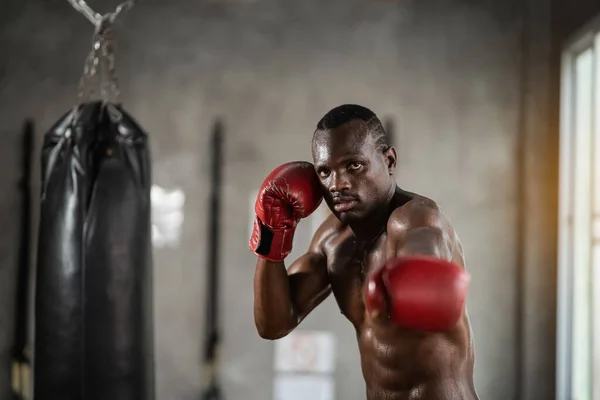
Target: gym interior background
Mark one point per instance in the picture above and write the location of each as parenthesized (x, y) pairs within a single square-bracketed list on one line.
[(472, 89)]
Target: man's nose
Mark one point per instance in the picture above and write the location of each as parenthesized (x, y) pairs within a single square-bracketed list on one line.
[(339, 182)]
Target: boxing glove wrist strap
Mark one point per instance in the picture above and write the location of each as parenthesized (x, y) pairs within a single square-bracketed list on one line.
[(273, 244)]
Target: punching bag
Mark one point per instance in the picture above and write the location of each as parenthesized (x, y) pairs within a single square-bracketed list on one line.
[(93, 306)]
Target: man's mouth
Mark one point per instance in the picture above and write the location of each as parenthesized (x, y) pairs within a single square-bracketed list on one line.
[(343, 204)]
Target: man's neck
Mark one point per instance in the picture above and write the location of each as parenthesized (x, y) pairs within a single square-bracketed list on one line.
[(371, 227)]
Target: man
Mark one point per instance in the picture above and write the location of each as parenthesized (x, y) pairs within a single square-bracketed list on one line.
[(391, 259)]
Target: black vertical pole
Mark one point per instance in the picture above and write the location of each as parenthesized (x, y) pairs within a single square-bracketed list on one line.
[(212, 389), (21, 361)]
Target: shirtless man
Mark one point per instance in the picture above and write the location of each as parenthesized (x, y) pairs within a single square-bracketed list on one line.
[(391, 259)]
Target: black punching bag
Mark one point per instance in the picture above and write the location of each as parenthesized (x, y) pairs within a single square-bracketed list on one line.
[(94, 328)]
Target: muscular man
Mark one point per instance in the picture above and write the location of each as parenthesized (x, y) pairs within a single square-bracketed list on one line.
[(390, 257)]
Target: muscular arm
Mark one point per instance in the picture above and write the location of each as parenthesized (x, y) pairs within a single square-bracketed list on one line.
[(420, 230), (421, 287), (283, 298)]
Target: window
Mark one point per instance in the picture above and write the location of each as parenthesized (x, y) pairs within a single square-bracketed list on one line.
[(579, 223)]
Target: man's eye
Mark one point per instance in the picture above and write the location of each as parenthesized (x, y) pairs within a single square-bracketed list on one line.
[(324, 173), (355, 165)]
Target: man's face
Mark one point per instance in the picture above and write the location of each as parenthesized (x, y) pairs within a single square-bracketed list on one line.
[(356, 177)]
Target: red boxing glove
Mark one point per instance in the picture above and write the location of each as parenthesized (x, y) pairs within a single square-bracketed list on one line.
[(289, 193), (419, 293)]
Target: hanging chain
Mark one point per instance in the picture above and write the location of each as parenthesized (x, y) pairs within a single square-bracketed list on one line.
[(83, 8), (96, 18), (99, 68), (125, 6)]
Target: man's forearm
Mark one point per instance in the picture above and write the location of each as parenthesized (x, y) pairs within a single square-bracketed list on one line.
[(274, 313)]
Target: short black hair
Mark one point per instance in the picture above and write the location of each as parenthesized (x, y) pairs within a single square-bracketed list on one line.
[(348, 112)]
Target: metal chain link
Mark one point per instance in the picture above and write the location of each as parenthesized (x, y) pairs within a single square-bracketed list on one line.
[(96, 18), (125, 6), (83, 8), (99, 68)]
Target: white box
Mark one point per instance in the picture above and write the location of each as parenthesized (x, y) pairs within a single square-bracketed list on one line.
[(306, 352)]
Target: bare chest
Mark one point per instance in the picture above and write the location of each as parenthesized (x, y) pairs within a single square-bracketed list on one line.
[(349, 264)]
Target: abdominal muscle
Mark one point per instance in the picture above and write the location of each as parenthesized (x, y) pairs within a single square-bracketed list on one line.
[(399, 364)]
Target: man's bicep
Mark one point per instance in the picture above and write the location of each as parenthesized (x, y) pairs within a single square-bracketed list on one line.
[(309, 283), (426, 240), (314, 260), (308, 276)]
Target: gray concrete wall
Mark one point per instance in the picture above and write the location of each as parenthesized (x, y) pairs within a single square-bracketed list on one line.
[(447, 72)]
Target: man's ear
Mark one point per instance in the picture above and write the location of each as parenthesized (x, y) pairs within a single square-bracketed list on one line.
[(390, 159)]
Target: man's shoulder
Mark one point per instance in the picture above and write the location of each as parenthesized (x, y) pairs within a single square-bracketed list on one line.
[(330, 228), (417, 211)]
